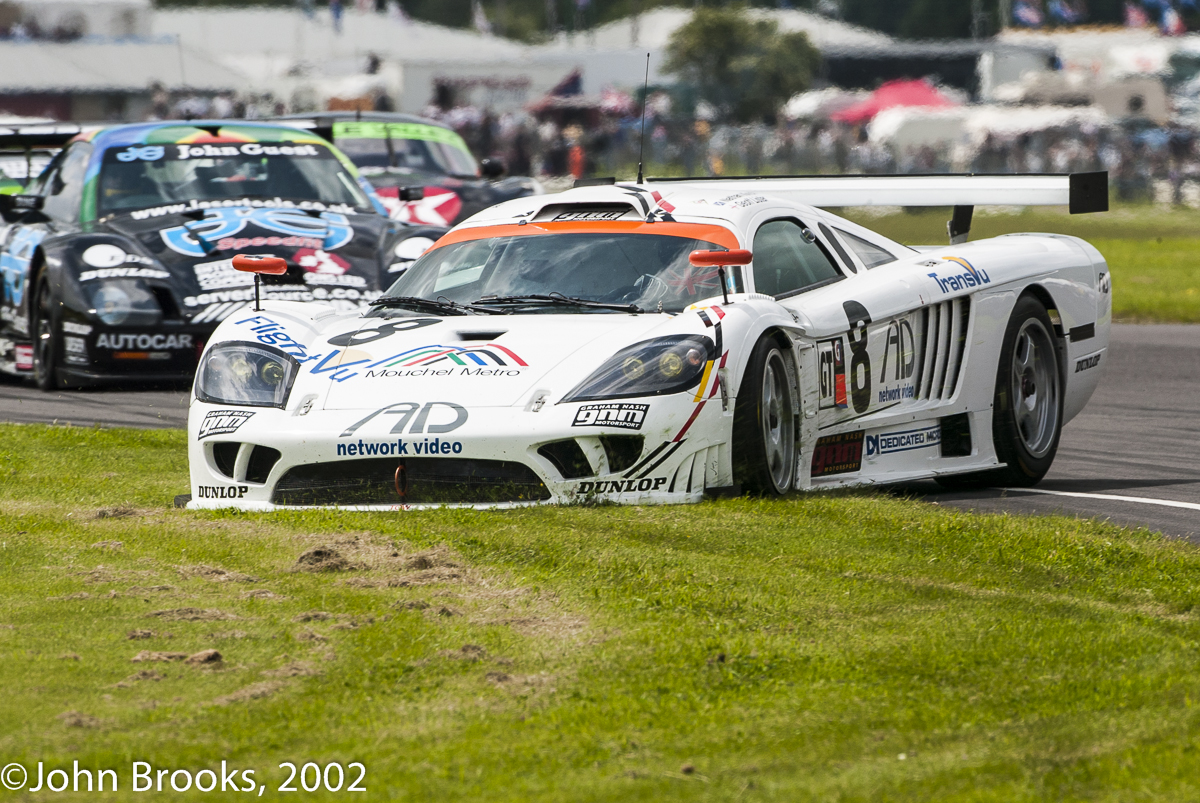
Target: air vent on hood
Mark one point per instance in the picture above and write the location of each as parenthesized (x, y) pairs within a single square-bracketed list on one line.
[(586, 213), (490, 335)]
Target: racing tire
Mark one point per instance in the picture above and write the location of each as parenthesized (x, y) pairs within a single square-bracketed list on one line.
[(764, 426), (1027, 409), (47, 337)]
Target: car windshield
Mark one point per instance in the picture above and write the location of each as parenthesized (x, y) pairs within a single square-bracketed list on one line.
[(379, 147), (618, 268), (143, 176)]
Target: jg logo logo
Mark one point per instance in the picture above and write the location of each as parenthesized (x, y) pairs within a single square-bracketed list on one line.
[(332, 228), (149, 153)]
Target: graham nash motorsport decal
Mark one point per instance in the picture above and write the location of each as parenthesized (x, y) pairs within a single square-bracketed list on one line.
[(222, 422), (615, 414), (838, 454)]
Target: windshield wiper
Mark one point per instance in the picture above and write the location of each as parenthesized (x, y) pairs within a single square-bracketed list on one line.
[(439, 305), (557, 299)]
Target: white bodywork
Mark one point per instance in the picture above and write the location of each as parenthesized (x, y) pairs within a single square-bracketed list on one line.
[(929, 352)]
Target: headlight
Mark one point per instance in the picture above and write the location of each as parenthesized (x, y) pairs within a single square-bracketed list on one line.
[(652, 368), (125, 302), (105, 255), (246, 373)]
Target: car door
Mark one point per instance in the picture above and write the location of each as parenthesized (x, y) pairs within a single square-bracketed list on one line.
[(60, 188)]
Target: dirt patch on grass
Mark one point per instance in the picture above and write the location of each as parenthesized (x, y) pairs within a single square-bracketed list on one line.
[(313, 616), (467, 652), (115, 546), (191, 615), (204, 658), (145, 674), (216, 574), (153, 655), (255, 691), (322, 559), (228, 635), (134, 635), (75, 719), (262, 593), (310, 635), (116, 513), (296, 670), (69, 656)]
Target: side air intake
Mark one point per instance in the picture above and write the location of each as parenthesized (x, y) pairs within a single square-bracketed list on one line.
[(945, 328)]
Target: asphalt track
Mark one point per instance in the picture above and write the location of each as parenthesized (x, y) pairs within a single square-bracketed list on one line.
[(1131, 457)]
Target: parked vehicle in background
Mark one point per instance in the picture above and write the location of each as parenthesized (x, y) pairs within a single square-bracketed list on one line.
[(116, 259), (402, 153)]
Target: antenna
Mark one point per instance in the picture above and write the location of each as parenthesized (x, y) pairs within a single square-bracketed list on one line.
[(642, 136)]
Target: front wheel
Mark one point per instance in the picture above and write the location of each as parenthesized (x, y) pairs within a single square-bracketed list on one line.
[(764, 426), (47, 341)]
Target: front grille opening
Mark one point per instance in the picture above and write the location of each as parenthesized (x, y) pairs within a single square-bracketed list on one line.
[(415, 480), (225, 456), (622, 450), (166, 302), (568, 458), (262, 460), (956, 435)]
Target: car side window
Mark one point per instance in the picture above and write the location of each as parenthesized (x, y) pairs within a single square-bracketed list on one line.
[(872, 256), (63, 191), (788, 259)]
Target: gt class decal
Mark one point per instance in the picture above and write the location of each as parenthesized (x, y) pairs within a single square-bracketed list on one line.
[(838, 454), (222, 422), (616, 414), (832, 364)]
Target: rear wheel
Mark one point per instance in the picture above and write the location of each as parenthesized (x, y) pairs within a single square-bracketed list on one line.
[(764, 427), (1027, 408), (47, 338)]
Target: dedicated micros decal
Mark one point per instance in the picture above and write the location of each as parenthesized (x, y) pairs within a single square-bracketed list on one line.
[(970, 277), (330, 231), (890, 442), (222, 422), (616, 414)]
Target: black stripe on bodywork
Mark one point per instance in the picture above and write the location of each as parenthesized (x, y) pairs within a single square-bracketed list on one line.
[(674, 448), (646, 460)]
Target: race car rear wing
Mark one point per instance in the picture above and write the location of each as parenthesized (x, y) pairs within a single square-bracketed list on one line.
[(1081, 192), (22, 141)]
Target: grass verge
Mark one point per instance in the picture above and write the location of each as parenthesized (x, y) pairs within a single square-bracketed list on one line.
[(1154, 253), (851, 647)]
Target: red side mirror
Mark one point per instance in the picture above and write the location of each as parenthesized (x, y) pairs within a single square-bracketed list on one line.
[(717, 259), (275, 266)]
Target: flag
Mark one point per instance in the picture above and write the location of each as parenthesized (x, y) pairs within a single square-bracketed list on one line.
[(1172, 23), (1135, 17), (479, 20), (1028, 13)]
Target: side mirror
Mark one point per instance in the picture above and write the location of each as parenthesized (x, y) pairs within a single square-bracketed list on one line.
[(274, 266), (720, 259), (411, 193), (258, 265), (491, 168), (13, 207)]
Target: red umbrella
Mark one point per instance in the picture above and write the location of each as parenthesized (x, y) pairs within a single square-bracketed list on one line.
[(903, 92)]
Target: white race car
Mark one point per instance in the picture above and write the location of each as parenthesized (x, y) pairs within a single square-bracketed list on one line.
[(654, 342)]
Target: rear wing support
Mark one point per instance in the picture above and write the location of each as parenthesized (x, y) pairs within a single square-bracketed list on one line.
[(1082, 193)]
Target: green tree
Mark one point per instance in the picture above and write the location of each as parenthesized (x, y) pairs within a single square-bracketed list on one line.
[(744, 67)]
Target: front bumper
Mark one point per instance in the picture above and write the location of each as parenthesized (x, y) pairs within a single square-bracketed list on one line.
[(268, 459)]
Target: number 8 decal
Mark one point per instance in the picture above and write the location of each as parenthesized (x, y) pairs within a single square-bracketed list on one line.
[(860, 360)]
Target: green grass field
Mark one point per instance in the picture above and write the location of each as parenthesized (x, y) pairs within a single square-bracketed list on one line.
[(825, 647), (1154, 253)]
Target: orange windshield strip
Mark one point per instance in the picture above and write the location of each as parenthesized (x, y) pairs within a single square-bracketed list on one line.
[(692, 231)]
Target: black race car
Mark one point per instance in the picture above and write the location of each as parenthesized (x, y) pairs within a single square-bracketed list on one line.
[(117, 259), (422, 170)]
